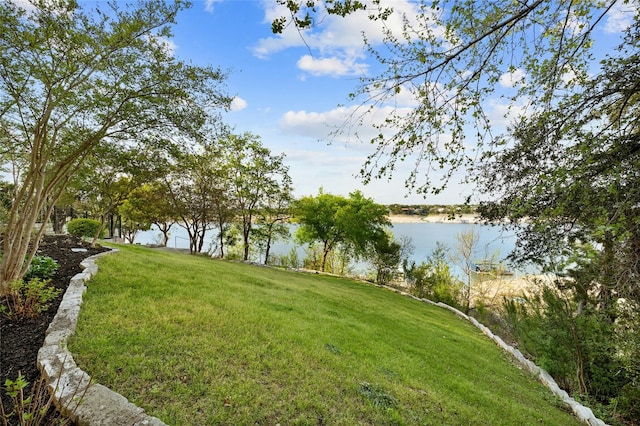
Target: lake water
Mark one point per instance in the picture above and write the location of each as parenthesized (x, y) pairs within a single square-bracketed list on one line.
[(494, 241)]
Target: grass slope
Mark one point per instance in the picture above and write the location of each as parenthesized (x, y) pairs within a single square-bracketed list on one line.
[(201, 342)]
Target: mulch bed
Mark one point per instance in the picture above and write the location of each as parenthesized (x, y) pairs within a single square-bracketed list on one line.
[(21, 340)]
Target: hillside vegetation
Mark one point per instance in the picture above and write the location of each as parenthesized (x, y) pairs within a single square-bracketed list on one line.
[(200, 341)]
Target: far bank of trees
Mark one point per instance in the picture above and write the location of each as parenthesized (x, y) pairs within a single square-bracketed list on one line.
[(432, 209)]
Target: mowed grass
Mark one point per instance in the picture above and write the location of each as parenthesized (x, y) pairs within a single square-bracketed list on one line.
[(196, 341)]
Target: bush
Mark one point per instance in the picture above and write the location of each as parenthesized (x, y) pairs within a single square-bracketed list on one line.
[(83, 227), (629, 401), (35, 406), (42, 267), (433, 279), (579, 348), (291, 260), (28, 299)]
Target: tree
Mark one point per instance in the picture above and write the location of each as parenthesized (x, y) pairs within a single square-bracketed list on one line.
[(449, 56), (572, 171), (71, 79), (223, 208), (576, 176), (134, 217), (316, 216), (362, 221), (272, 221), (255, 175), (192, 187), (151, 203), (101, 185), (387, 255), (333, 220), (464, 253)]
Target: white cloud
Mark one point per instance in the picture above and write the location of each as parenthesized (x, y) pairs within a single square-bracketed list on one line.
[(164, 43), (30, 6), (289, 37), (338, 40), (336, 169), (332, 168), (334, 66), (346, 125), (24, 4), (512, 78), (621, 16), (337, 159), (209, 4), (502, 113), (317, 125), (238, 104)]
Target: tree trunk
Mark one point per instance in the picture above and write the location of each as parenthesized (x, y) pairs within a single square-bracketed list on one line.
[(192, 235), (15, 247), (268, 249), (325, 252), (94, 241), (245, 255), (245, 235), (221, 244), (20, 244), (201, 234), (164, 229)]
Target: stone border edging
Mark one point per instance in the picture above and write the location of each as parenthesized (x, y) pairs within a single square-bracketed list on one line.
[(86, 403), (584, 414)]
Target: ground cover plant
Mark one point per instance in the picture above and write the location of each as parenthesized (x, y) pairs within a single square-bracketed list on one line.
[(22, 338), (200, 341)]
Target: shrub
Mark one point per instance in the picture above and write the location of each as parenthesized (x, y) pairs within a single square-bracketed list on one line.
[(547, 329), (42, 267), (83, 227), (36, 406), (28, 299), (433, 279), (27, 410), (577, 347), (629, 401), (291, 260)]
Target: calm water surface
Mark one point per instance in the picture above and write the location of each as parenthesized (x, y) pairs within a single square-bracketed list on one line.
[(494, 241)]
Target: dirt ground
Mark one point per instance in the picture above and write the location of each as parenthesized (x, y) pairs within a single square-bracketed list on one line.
[(20, 340)]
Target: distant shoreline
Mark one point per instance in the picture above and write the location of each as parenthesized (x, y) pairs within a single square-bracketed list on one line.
[(434, 218)]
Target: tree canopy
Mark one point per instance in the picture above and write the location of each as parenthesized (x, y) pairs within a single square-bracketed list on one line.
[(333, 220), (255, 175), (573, 171), (448, 58), (73, 78)]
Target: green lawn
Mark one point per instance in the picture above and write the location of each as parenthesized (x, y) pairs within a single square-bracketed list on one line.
[(196, 341)]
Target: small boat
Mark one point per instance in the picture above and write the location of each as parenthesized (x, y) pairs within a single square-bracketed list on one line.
[(490, 267)]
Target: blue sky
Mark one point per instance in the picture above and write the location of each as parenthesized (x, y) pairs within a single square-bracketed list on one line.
[(288, 90), (287, 93)]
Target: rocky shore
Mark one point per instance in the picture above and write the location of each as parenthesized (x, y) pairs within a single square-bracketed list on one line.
[(439, 218)]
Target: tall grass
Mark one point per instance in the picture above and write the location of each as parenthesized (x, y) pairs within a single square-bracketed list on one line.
[(197, 341)]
